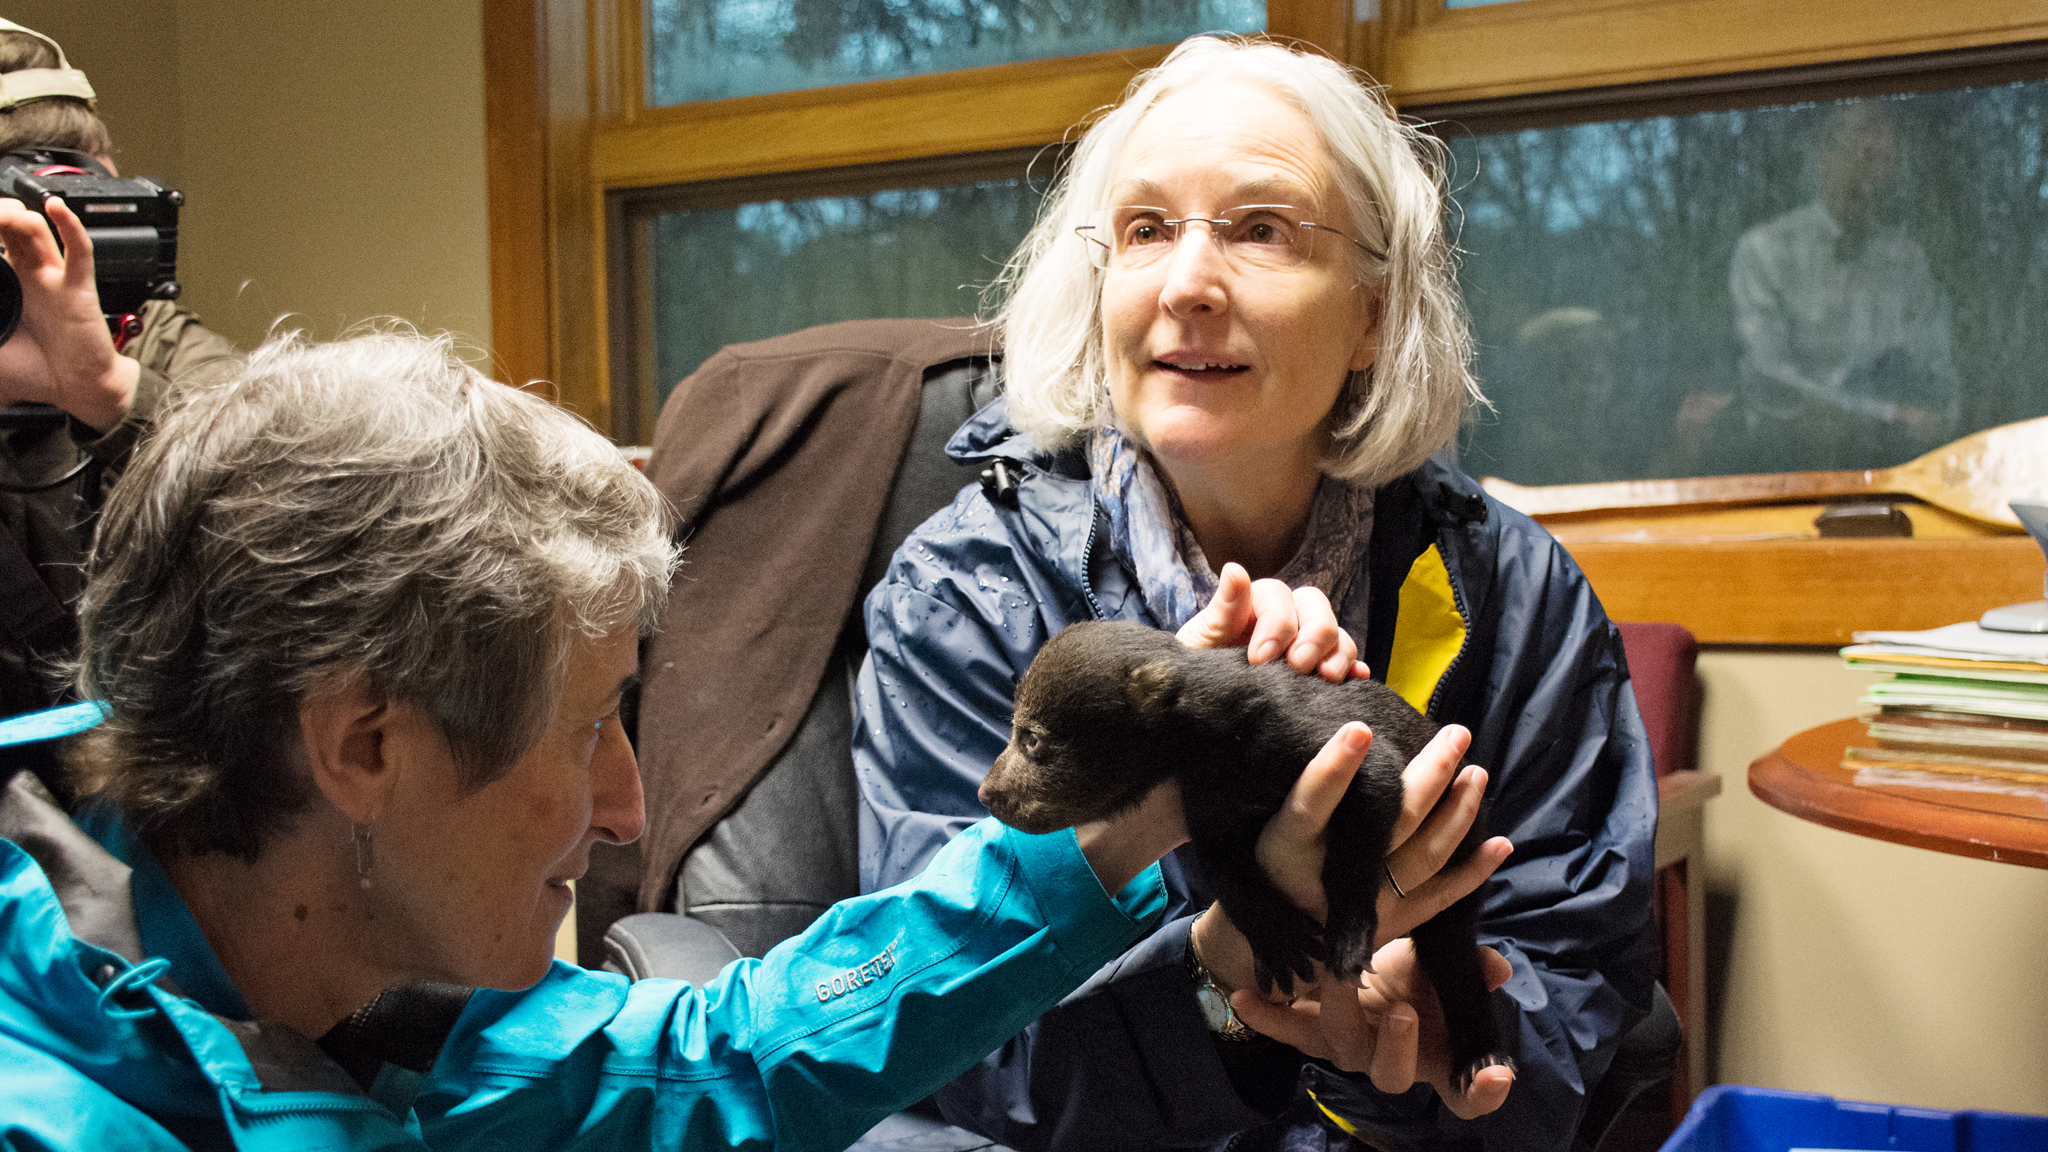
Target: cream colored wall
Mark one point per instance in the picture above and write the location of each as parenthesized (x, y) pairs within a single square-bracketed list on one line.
[(1854, 967), (332, 155), (334, 163)]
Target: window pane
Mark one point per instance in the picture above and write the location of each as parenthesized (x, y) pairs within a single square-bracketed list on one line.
[(711, 49), (775, 266), (1811, 286)]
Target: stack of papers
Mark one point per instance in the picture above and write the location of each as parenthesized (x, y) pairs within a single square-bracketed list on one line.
[(1962, 700)]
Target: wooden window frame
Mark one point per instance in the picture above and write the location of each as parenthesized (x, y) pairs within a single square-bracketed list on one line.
[(1427, 54), (567, 131), (567, 126)]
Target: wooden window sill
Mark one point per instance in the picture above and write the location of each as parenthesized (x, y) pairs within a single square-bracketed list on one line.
[(1762, 576)]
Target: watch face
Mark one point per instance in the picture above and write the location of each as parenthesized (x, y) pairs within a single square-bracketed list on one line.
[(1215, 1007)]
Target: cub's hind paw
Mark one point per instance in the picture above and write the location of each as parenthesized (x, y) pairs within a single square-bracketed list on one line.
[(1462, 1080), (1284, 974), (1349, 954), (1285, 947)]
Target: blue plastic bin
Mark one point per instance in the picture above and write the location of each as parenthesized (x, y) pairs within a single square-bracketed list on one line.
[(1731, 1118)]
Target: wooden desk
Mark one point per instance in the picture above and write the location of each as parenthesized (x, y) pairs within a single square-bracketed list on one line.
[(1805, 777)]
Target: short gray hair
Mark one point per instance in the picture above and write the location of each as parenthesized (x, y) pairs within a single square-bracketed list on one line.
[(372, 507), (1392, 416)]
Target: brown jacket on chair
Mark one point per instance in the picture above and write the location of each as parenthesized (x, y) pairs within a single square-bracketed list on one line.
[(777, 456)]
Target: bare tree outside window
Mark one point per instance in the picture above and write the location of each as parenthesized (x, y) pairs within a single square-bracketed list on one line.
[(1807, 286)]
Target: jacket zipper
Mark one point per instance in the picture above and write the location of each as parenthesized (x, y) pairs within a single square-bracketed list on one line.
[(1464, 614), (1088, 560)]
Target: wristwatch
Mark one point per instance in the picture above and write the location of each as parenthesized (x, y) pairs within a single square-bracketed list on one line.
[(1214, 1001)]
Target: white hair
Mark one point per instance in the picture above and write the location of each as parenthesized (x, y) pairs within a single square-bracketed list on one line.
[(1390, 417)]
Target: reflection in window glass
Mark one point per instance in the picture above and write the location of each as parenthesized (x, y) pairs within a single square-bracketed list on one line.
[(1813, 286), (763, 269), (711, 49)]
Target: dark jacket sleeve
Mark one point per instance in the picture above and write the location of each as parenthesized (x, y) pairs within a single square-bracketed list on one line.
[(173, 345), (1124, 1062)]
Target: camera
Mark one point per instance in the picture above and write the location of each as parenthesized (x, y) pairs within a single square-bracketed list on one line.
[(133, 224)]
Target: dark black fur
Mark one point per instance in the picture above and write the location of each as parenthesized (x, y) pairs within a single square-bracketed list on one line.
[(1108, 710)]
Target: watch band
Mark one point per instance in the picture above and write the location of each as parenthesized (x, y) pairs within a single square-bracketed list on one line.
[(1213, 999)]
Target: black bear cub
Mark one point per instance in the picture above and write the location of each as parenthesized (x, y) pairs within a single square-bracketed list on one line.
[(1110, 709)]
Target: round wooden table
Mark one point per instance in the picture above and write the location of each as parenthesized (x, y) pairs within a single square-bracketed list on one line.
[(1805, 776)]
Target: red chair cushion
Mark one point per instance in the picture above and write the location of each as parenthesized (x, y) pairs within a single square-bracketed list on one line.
[(1661, 660)]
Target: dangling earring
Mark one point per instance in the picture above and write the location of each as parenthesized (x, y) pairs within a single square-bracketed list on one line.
[(359, 835)]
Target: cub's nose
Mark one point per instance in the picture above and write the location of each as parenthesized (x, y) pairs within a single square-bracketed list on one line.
[(993, 795)]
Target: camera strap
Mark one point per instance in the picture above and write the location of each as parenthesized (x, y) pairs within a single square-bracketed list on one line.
[(26, 84)]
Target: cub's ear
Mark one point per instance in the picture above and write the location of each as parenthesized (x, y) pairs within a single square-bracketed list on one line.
[(1153, 689)]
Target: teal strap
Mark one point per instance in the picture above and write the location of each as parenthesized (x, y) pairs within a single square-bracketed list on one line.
[(50, 723)]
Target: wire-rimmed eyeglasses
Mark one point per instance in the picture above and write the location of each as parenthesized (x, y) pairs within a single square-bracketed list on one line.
[(1265, 237)]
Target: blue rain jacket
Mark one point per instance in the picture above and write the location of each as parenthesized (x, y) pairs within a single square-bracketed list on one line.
[(879, 1002), (1477, 616)]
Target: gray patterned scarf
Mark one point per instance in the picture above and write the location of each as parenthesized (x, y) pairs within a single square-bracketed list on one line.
[(1152, 537)]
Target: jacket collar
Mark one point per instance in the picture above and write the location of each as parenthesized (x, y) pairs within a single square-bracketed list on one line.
[(114, 894), (988, 434), (90, 884), (165, 922), (1450, 496), (92, 1009)]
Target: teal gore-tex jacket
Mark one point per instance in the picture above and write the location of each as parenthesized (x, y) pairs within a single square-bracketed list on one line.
[(882, 1000)]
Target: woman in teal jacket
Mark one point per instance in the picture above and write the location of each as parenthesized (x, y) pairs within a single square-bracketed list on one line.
[(359, 620)]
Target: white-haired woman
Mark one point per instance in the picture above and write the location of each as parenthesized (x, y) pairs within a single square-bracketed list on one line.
[(360, 620), (1233, 349)]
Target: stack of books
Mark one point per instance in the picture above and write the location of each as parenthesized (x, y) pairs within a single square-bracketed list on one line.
[(1963, 702)]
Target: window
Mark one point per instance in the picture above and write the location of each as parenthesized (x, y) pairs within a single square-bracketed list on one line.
[(716, 264), (592, 162), (713, 49), (1793, 287)]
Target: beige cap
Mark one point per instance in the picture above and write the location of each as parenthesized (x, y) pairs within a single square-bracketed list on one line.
[(28, 84)]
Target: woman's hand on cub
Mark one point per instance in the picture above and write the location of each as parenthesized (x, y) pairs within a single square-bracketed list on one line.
[(1387, 1026), (1269, 619), (1427, 833)]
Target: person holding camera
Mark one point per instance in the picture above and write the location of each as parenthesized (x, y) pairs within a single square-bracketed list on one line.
[(73, 399)]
